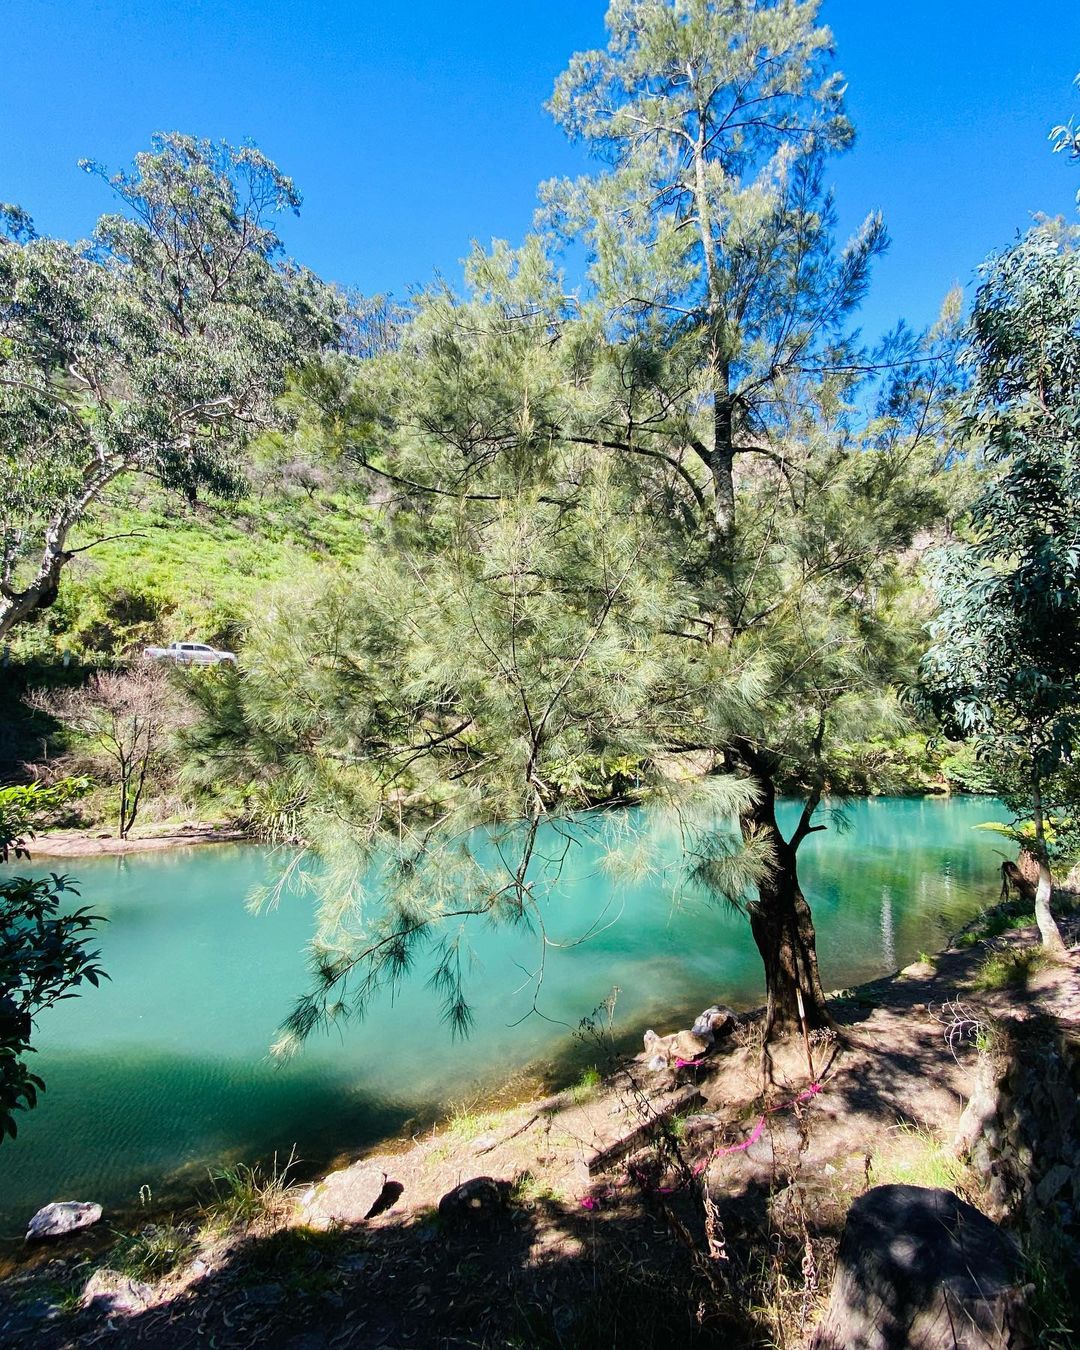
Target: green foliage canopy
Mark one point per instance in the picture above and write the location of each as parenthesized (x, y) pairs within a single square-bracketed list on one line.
[(160, 346), (1005, 658), (44, 954)]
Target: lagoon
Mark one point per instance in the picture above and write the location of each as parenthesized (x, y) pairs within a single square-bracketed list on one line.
[(165, 1071)]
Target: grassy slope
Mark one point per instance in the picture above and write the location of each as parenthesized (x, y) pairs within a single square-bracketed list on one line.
[(194, 572)]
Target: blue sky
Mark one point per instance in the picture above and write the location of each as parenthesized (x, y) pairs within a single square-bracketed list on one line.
[(413, 128)]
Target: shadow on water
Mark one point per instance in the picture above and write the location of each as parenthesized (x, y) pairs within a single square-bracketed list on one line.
[(169, 1119)]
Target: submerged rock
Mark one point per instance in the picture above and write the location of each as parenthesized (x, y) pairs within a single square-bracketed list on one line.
[(62, 1217)]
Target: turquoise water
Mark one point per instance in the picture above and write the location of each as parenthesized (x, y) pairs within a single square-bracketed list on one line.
[(164, 1071)]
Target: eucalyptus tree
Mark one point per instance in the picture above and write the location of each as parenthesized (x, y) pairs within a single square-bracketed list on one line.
[(158, 347), (1005, 662)]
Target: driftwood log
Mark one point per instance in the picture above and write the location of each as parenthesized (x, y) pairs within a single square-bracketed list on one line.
[(920, 1269)]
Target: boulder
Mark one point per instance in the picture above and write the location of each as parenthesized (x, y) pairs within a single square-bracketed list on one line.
[(919, 1269), (480, 1198), (663, 1052), (109, 1292), (60, 1218), (348, 1195)]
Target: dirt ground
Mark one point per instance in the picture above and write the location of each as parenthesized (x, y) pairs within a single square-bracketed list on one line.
[(700, 1206)]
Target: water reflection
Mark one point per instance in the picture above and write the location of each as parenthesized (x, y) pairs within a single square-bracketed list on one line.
[(888, 935)]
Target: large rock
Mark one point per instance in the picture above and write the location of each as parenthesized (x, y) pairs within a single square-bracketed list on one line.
[(60, 1218), (920, 1269), (665, 1052), (480, 1198), (109, 1292), (346, 1196)]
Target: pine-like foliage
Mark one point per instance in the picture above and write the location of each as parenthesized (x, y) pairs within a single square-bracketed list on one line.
[(642, 531), (510, 648)]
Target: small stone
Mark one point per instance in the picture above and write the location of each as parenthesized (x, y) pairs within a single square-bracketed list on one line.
[(702, 1123), (715, 1023), (484, 1143), (62, 1217), (110, 1292)]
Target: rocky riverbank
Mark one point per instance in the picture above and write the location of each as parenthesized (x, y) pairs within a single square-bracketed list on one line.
[(694, 1203)]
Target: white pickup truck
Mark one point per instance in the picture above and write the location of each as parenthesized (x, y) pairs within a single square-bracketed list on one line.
[(190, 654)]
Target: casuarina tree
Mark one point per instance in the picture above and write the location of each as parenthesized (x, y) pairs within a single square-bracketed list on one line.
[(732, 371), (655, 497)]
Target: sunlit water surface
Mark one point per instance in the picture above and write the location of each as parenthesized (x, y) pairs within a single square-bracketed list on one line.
[(164, 1071)]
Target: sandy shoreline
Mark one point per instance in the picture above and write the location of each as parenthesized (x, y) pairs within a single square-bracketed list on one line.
[(88, 844)]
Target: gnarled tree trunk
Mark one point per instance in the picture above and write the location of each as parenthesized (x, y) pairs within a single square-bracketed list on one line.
[(16, 605), (782, 924)]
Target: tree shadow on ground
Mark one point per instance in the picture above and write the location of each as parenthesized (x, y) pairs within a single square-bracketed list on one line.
[(540, 1274)]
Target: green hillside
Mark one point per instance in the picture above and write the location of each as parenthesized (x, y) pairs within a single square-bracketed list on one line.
[(186, 572)]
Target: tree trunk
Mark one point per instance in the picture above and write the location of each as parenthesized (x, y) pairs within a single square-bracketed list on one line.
[(43, 590), (1051, 935), (125, 778), (783, 926)]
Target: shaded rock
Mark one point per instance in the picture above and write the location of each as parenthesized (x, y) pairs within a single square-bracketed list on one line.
[(479, 1198), (62, 1217), (110, 1292), (348, 1195), (1021, 1126), (1052, 1185), (920, 1269)]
